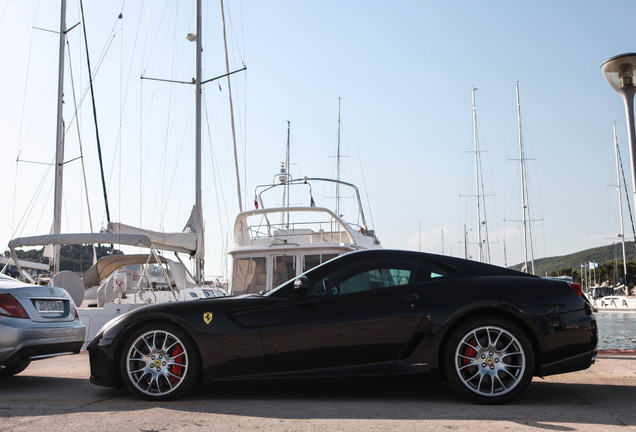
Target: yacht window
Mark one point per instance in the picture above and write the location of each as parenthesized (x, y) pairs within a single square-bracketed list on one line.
[(250, 275), (311, 261), (284, 269)]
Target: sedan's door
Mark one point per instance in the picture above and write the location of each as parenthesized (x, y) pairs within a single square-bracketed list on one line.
[(359, 313)]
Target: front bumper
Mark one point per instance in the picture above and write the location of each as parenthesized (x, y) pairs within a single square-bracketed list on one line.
[(104, 364)]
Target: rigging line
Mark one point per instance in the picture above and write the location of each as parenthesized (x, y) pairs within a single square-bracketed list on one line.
[(34, 162), (5, 11), (101, 58), (483, 197), (128, 81), (229, 91), (229, 14), (79, 138), (81, 150), (26, 84), (629, 207), (141, 117), (155, 38), (99, 147), (48, 197), (164, 196), (176, 164), (530, 232), (244, 123), (366, 190), (31, 205), (216, 175), (121, 108)]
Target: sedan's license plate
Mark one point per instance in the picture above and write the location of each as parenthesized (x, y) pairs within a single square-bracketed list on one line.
[(49, 306)]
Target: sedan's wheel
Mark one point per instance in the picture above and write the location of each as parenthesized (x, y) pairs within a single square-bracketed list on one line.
[(14, 368), (160, 362), (489, 360)]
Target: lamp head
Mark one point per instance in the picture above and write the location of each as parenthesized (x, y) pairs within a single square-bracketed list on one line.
[(620, 71)]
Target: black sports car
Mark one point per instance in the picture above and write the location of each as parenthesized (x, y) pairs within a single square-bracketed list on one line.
[(486, 329)]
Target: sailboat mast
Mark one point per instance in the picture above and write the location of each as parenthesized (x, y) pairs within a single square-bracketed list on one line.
[(477, 180), (524, 197), (197, 158), (287, 175), (620, 204), (59, 147), (229, 91), (338, 165)]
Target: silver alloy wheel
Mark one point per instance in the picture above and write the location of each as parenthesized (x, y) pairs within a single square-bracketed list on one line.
[(157, 363), (490, 361)]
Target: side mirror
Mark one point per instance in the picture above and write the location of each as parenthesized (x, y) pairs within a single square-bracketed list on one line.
[(301, 285)]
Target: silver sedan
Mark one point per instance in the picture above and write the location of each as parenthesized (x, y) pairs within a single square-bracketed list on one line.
[(36, 322)]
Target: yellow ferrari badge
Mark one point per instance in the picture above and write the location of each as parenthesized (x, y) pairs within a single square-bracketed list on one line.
[(207, 317)]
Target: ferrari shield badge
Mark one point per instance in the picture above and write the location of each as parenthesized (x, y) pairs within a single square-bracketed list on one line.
[(207, 317)]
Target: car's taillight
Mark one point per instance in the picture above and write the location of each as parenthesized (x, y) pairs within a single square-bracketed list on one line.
[(76, 312), (577, 288), (10, 307)]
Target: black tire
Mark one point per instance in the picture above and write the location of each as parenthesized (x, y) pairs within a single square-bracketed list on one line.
[(14, 368), (160, 362), (489, 360)]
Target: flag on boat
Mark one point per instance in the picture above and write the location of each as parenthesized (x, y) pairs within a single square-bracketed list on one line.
[(312, 203), (255, 202)]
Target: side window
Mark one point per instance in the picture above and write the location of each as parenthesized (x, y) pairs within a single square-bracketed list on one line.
[(359, 277), (429, 271)]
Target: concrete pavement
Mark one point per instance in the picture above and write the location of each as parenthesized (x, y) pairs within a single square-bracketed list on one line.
[(55, 395)]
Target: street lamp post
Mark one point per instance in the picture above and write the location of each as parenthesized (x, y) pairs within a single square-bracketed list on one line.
[(620, 73)]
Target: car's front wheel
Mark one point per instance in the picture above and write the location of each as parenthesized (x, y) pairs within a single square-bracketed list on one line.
[(160, 362), (489, 360)]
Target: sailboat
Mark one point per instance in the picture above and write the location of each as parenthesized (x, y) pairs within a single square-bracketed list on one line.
[(116, 289), (619, 301)]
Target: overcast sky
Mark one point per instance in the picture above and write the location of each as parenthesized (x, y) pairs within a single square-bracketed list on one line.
[(404, 71)]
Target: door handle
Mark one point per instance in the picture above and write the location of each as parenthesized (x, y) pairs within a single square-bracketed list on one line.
[(411, 298)]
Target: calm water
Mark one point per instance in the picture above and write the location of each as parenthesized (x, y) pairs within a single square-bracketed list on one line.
[(616, 330)]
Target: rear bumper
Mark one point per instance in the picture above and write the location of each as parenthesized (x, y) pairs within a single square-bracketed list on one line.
[(570, 364), (38, 341)]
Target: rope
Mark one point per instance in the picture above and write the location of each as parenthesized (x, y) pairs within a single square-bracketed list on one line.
[(629, 207)]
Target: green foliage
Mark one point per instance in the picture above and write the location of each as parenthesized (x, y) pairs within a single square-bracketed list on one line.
[(73, 258), (609, 259)]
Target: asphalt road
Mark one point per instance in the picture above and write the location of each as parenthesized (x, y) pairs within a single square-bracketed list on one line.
[(55, 395)]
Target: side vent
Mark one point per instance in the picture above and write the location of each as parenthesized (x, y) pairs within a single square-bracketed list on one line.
[(413, 343)]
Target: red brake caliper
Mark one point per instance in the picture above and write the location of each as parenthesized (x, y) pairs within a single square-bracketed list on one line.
[(175, 369), (469, 352)]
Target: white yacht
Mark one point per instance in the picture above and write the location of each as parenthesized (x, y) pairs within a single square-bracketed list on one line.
[(275, 244)]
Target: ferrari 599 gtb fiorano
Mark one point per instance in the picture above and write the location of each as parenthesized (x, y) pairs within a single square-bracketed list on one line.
[(485, 329)]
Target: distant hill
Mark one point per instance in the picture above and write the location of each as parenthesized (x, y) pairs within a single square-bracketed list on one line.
[(606, 256)]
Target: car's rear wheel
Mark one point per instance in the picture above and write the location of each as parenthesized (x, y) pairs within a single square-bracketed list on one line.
[(489, 360), (160, 362), (14, 368)]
